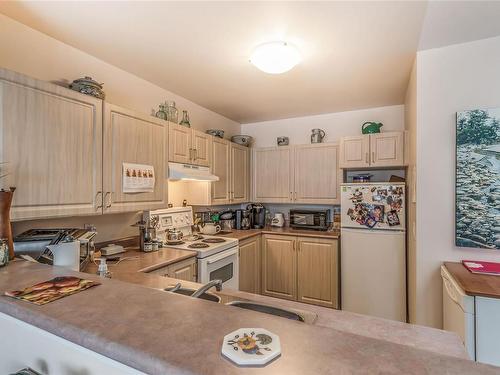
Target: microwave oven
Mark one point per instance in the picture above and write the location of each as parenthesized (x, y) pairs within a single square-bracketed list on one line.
[(309, 219)]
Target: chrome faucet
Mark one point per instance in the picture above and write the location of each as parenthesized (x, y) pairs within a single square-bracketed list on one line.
[(217, 283)]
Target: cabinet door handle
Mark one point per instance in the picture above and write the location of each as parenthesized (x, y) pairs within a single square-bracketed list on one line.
[(195, 153), (366, 158), (190, 154), (108, 205), (102, 201), (295, 196), (373, 156), (291, 196)]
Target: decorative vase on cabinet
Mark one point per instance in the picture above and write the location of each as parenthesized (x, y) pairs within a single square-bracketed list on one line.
[(185, 119), (172, 112)]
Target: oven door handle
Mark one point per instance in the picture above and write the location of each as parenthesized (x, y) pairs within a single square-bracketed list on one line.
[(222, 256)]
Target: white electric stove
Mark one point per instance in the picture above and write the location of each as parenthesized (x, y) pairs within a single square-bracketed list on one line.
[(217, 256)]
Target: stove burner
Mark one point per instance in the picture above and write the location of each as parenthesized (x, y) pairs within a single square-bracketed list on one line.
[(198, 245), (173, 243), (193, 237), (214, 240)]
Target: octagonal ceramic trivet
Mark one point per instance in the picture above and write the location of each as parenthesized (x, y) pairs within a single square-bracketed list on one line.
[(251, 346)]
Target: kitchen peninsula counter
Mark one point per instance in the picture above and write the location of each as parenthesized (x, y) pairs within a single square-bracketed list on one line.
[(154, 332)]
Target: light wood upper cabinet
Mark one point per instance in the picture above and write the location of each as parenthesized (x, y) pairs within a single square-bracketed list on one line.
[(240, 173), (202, 148), (250, 265), (355, 152), (387, 149), (279, 266), (316, 174), (373, 150), (189, 146), (273, 174), (51, 138), (317, 271), (179, 147), (230, 162), (131, 137), (221, 168)]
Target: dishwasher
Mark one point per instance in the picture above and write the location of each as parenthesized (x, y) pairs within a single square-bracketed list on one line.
[(458, 312)]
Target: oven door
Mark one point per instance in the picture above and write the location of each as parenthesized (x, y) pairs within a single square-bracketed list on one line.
[(223, 266)]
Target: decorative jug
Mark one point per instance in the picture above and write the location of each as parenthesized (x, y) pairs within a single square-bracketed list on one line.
[(317, 135), (371, 127)]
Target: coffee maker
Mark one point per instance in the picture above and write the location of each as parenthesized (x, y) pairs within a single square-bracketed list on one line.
[(243, 219), (257, 215)]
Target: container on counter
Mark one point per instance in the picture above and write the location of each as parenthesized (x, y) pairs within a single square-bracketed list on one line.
[(4, 252)]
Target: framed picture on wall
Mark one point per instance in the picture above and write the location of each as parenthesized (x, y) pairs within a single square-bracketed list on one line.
[(477, 213)]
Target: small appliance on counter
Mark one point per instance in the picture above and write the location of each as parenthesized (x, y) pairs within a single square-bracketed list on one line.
[(257, 215), (66, 253), (309, 219), (35, 243), (227, 221), (278, 220), (242, 219)]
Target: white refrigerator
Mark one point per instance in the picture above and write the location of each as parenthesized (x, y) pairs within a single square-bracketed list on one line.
[(373, 249)]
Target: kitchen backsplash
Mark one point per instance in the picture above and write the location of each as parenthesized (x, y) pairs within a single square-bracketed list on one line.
[(275, 207), (109, 227)]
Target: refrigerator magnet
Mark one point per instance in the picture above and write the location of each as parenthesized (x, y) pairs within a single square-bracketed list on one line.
[(382, 192), (378, 213), (393, 218), (370, 222)]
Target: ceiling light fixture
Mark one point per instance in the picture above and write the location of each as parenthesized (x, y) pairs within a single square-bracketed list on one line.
[(275, 57)]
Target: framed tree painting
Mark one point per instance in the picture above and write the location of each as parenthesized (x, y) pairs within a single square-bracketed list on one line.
[(478, 179)]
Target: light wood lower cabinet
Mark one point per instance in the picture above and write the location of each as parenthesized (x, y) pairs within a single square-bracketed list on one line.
[(183, 270), (51, 140), (303, 269), (250, 265), (131, 137), (279, 266), (317, 271)]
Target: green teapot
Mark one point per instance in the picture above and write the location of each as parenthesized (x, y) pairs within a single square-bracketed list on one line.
[(371, 127)]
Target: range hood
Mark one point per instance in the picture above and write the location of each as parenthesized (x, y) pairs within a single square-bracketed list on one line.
[(179, 171)]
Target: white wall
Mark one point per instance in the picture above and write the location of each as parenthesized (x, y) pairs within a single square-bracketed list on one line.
[(335, 125), (30, 52), (450, 79)]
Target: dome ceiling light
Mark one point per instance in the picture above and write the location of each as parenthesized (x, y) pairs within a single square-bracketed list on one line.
[(275, 57)]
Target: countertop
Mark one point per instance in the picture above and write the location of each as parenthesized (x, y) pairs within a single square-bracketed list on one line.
[(160, 333), (134, 260), (474, 284), (244, 234)]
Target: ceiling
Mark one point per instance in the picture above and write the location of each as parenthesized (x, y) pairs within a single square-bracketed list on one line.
[(356, 54)]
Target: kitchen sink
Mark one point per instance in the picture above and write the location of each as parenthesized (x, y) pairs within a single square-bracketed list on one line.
[(189, 292), (266, 309)]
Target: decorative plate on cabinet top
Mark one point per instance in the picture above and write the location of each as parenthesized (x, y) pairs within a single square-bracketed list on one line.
[(251, 346)]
